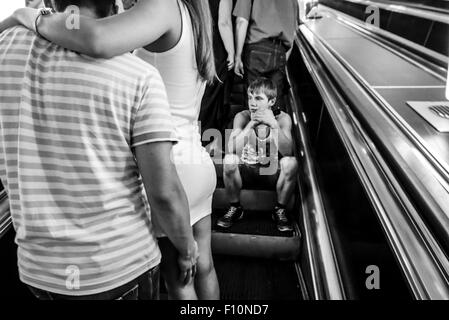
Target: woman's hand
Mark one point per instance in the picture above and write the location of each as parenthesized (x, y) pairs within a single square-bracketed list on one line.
[(230, 61), (26, 17), (238, 67)]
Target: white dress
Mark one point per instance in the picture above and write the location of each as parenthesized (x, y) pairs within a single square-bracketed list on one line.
[(185, 90)]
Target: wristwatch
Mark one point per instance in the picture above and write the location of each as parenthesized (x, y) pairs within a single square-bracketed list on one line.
[(42, 12)]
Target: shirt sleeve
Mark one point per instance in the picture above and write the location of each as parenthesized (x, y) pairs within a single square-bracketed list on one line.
[(242, 9), (153, 121)]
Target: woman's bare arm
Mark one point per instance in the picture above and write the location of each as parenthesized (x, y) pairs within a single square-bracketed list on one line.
[(141, 25), (225, 28)]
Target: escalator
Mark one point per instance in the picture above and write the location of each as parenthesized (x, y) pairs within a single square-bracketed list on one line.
[(373, 186), (255, 261), (372, 191)]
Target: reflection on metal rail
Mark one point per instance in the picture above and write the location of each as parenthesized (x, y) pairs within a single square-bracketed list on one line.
[(420, 256), (420, 13), (326, 278)]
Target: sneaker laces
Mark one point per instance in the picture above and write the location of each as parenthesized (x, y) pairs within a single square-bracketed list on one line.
[(231, 212), (280, 213)]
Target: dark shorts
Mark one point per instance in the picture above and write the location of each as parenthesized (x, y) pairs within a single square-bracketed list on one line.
[(144, 287), (254, 177)]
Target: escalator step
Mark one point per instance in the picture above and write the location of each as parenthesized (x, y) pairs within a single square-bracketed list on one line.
[(253, 222), (260, 200), (244, 278), (255, 235)]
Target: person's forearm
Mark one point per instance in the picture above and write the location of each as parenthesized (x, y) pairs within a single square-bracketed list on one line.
[(8, 23), (227, 36), (225, 26), (168, 202), (76, 33), (239, 143), (63, 29), (172, 214), (241, 139), (241, 29), (139, 26)]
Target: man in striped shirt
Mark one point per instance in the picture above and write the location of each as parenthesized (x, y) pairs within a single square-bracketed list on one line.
[(80, 140)]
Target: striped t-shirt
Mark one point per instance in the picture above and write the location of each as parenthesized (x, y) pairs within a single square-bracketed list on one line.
[(68, 124)]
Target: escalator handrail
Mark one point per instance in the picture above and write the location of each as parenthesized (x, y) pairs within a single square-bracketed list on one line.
[(407, 10), (422, 261), (436, 63), (429, 176), (326, 279)]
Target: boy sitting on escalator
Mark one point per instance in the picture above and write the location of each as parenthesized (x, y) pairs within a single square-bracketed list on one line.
[(260, 151)]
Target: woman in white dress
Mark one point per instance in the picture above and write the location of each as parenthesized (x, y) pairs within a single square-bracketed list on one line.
[(175, 37)]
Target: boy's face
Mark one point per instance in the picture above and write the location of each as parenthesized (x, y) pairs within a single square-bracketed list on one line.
[(259, 101)]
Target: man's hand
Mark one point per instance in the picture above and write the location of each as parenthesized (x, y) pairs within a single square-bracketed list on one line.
[(238, 67), (265, 117), (187, 265)]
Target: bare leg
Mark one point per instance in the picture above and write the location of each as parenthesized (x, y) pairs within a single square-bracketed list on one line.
[(231, 177), (287, 179), (206, 282), (170, 272)]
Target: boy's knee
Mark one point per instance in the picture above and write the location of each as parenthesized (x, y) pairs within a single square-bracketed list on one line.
[(230, 164), (289, 166)]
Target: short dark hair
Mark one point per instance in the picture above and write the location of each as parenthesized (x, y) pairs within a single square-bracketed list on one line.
[(265, 86), (102, 7)]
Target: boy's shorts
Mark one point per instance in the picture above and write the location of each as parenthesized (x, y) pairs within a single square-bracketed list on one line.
[(253, 179)]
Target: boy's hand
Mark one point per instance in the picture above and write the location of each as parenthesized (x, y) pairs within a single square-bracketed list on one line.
[(265, 117)]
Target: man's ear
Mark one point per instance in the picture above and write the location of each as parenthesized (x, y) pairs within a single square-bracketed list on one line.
[(271, 102)]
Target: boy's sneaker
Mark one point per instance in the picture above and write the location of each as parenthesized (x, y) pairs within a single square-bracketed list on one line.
[(233, 214), (282, 222)]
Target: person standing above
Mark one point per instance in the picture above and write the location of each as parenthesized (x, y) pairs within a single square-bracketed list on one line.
[(264, 34), (76, 137), (177, 39), (215, 104)]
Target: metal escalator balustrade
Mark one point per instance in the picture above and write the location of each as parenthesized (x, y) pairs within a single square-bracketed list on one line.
[(424, 170), (426, 26), (318, 246), (422, 260), (434, 62), (402, 7)]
